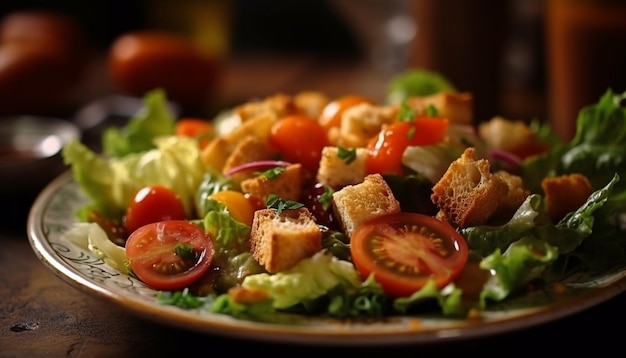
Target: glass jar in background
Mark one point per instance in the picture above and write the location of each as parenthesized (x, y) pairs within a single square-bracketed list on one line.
[(586, 55)]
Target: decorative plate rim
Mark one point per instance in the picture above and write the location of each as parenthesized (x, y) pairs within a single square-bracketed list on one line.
[(80, 269)]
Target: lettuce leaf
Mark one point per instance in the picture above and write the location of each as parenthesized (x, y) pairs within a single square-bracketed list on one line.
[(111, 183), (309, 279), (154, 119), (598, 150)]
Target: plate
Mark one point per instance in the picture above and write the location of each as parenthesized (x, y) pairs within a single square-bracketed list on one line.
[(52, 214)]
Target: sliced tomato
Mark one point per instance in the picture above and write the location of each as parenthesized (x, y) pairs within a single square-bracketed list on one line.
[(386, 149), (405, 250), (170, 255), (299, 139), (151, 204)]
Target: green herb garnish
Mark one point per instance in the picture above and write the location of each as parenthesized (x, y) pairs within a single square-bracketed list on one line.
[(431, 111), (271, 173), (185, 251), (348, 155), (326, 198), (279, 204)]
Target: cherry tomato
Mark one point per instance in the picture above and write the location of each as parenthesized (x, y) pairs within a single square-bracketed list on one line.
[(151, 204), (238, 205), (169, 255), (43, 58), (386, 149), (198, 128), (299, 139), (405, 250), (144, 60), (332, 112)]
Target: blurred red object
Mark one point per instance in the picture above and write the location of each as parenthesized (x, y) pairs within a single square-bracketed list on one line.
[(144, 60), (42, 58)]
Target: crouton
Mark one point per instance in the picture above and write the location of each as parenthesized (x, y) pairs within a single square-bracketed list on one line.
[(338, 172), (468, 193), (506, 134), (353, 204), (565, 193), (217, 151), (249, 149), (287, 185), (515, 196), (278, 242), (311, 103), (361, 122), (456, 106), (278, 105)]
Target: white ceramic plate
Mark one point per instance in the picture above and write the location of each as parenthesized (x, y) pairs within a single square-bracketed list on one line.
[(53, 213)]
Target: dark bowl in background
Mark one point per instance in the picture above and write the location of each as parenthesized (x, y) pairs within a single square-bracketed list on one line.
[(30, 157)]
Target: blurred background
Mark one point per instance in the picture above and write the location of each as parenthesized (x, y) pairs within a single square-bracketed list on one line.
[(521, 59)]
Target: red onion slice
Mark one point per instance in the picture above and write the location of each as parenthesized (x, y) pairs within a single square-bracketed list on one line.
[(261, 164), (509, 160)]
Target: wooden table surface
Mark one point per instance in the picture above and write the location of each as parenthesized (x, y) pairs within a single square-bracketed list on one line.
[(43, 316)]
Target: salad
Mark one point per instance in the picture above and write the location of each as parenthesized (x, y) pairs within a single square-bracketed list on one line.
[(297, 206)]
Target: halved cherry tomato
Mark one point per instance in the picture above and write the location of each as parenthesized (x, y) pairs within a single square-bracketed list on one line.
[(151, 204), (238, 205), (169, 255), (299, 139), (405, 250), (386, 149), (198, 128), (332, 112)]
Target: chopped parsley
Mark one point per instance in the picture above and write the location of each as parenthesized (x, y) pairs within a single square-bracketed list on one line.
[(279, 204), (348, 155), (326, 198), (185, 251), (271, 173)]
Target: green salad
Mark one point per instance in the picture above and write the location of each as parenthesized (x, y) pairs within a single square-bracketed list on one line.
[(165, 209)]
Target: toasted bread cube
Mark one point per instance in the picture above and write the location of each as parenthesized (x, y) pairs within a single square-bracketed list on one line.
[(279, 242), (361, 122), (249, 149), (311, 103), (515, 196), (277, 105), (456, 106), (217, 151), (354, 204), (287, 185), (565, 193), (335, 172), (468, 193)]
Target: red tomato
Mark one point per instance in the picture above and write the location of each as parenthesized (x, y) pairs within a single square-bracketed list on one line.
[(198, 128), (332, 112), (151, 204), (170, 255), (299, 139), (405, 250), (141, 61), (386, 149)]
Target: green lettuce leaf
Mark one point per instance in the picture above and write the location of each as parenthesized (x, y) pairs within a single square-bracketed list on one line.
[(154, 119), (308, 280), (416, 82), (111, 183)]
